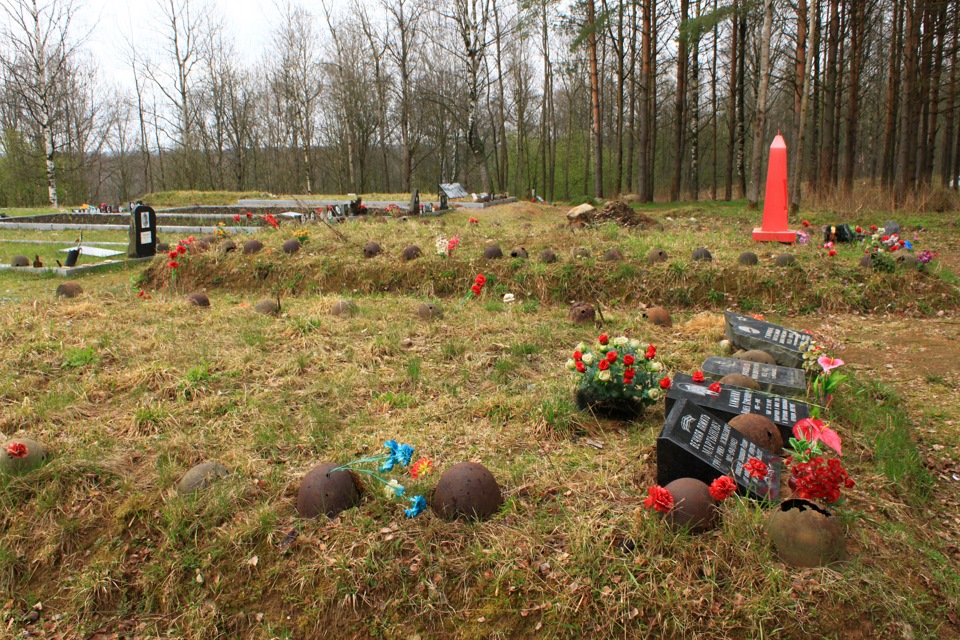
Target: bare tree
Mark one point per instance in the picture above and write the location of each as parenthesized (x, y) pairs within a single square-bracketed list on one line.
[(36, 61)]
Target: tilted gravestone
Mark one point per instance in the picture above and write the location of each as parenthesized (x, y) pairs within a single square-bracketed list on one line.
[(732, 401), (782, 380), (696, 444), (415, 202), (143, 233), (785, 345)]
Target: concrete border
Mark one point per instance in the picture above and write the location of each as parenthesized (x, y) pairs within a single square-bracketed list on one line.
[(69, 271)]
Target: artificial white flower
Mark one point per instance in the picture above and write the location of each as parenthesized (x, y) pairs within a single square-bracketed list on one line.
[(634, 344), (620, 341), (588, 358), (571, 364), (655, 366), (655, 394), (392, 489), (581, 347), (604, 375), (508, 297)]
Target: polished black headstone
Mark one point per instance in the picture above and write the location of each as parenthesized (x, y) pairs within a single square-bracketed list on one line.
[(785, 345), (696, 444), (444, 204), (732, 401), (773, 379), (143, 233), (415, 202)]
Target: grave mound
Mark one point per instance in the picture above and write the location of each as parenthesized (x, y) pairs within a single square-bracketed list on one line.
[(582, 313), (657, 255), (547, 256), (198, 299), (251, 247), (613, 255), (371, 249), (624, 215), (291, 246), (69, 289), (467, 490), (411, 253), (493, 252), (328, 492), (702, 255), (748, 258)]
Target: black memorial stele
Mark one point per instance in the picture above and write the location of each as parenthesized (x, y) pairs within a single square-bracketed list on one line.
[(774, 379), (732, 401), (143, 233), (785, 345), (696, 444)]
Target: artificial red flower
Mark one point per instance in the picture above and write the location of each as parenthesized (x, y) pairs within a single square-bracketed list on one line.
[(756, 468), (474, 221), (629, 360), (612, 356), (715, 387), (603, 365), (858, 229), (895, 247), (236, 217), (173, 254), (17, 450), (481, 279), (476, 289), (665, 383), (181, 249), (173, 264), (815, 481), (651, 352), (828, 245), (603, 339), (885, 238), (577, 355), (805, 223), (580, 366), (659, 499), (421, 467), (722, 488), (629, 372), (190, 240), (250, 215), (873, 227), (698, 376), (832, 252)]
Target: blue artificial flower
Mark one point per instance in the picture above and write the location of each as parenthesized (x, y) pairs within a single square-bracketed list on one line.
[(400, 454), (419, 505), (908, 244)]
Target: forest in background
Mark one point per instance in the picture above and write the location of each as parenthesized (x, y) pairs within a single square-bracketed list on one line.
[(665, 99)]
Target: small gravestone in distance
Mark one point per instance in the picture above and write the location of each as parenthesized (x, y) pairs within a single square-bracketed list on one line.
[(696, 444), (415, 202), (785, 345), (773, 379), (143, 233), (734, 401)]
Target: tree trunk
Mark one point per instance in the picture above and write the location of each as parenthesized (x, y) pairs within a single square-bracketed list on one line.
[(732, 121), (741, 107), (646, 109), (756, 163), (925, 74), (802, 99), (893, 97), (680, 104), (858, 18), (907, 154), (827, 157), (714, 119), (949, 109), (597, 131)]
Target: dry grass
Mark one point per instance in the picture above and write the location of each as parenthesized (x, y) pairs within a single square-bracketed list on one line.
[(128, 394)]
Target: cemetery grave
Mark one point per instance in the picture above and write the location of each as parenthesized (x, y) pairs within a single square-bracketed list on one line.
[(189, 452)]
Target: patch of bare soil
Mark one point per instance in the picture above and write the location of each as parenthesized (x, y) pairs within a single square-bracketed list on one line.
[(624, 215)]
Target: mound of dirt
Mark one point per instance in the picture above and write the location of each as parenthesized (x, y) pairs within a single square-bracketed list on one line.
[(623, 214)]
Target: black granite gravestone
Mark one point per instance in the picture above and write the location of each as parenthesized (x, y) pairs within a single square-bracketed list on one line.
[(696, 444), (444, 204), (785, 345), (732, 401), (143, 233), (773, 379), (415, 203)]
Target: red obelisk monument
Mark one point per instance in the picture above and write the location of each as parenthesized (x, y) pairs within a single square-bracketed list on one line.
[(774, 228)]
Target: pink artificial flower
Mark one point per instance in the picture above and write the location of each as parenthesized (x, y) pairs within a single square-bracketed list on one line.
[(813, 431), (829, 364)]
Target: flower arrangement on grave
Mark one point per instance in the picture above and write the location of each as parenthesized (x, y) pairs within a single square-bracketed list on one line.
[(813, 476), (475, 290), (617, 376), (397, 456), (879, 241), (302, 235), (445, 248), (270, 220), (174, 257), (221, 231)]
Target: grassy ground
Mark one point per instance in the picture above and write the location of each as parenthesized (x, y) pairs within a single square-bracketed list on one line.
[(128, 393)]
